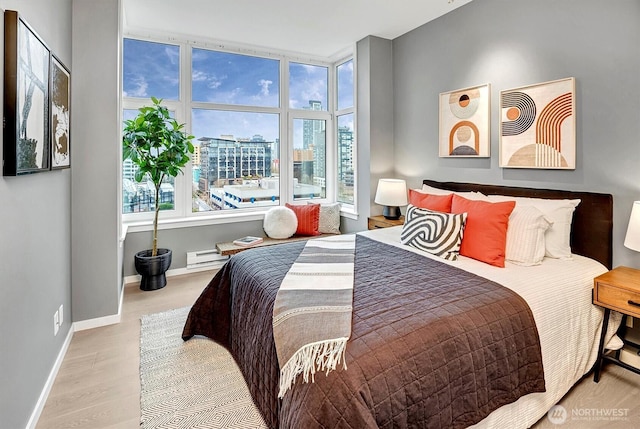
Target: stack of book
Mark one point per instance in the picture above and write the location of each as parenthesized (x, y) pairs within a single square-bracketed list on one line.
[(248, 241)]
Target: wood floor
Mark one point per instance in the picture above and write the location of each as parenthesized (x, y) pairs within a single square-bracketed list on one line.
[(98, 385)]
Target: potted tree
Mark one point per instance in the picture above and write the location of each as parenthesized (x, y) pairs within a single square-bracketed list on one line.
[(159, 147)]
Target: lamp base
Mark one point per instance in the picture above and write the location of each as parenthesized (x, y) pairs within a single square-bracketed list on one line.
[(391, 212)]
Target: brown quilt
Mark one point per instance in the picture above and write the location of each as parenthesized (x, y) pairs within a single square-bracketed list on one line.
[(432, 345)]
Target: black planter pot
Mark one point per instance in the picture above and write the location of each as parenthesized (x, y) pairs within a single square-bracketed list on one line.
[(153, 268)]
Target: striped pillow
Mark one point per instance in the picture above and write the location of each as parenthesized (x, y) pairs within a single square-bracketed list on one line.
[(434, 232), (526, 236), (308, 218)]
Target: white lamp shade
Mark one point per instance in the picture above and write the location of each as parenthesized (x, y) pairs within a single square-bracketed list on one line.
[(391, 192), (632, 240)]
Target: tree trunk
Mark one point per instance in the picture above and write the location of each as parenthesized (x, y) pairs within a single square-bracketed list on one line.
[(154, 251)]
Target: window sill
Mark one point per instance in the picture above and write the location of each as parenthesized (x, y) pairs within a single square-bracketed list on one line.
[(147, 225), (218, 219), (349, 214)]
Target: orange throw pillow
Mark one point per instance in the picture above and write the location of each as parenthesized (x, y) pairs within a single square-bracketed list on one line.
[(308, 218), (485, 234), (438, 203)]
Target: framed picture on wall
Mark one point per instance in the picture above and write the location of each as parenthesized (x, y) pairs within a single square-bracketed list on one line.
[(464, 122), (59, 114), (26, 99), (538, 126)]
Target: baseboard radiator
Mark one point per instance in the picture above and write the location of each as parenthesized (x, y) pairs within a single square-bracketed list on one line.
[(205, 259)]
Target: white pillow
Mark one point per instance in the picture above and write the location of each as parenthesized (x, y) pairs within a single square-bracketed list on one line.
[(525, 236), (433, 191), (560, 212), (280, 222), (426, 189), (329, 218)]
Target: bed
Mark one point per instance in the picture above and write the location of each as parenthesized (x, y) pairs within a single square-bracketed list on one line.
[(458, 381)]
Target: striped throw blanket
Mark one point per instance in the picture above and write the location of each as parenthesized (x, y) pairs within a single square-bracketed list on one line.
[(312, 310)]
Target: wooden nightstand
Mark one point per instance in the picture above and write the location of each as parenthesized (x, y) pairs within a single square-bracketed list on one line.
[(376, 222), (618, 290)]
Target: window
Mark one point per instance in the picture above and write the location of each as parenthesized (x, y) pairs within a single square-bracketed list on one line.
[(346, 170), (237, 160), (257, 144), (344, 73), (151, 69), (346, 173), (309, 159), (238, 150), (225, 78), (308, 86)]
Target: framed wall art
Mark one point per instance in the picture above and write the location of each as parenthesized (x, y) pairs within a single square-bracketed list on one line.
[(538, 126), (26, 99), (464, 122), (59, 114)]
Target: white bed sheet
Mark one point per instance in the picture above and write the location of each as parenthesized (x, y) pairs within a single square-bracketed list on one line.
[(559, 295)]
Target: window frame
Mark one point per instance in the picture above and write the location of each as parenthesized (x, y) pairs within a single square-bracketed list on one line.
[(346, 208), (182, 215)]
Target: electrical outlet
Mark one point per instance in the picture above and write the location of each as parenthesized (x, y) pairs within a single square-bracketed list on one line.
[(629, 322), (60, 315), (56, 323)]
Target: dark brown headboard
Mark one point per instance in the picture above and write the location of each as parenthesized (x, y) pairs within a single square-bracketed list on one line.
[(592, 227)]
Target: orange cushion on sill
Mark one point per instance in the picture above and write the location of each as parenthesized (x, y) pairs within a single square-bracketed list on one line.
[(438, 203), (485, 234), (308, 218)]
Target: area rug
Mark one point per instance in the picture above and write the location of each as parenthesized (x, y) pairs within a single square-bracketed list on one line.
[(193, 384)]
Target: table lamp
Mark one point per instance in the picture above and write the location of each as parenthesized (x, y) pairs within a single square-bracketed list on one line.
[(391, 193), (632, 239)]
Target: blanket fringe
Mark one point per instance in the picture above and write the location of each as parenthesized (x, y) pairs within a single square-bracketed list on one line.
[(312, 358)]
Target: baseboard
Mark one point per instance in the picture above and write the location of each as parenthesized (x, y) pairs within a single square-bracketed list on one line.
[(42, 400), (83, 325)]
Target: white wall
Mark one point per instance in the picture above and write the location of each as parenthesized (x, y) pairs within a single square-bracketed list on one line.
[(35, 251)]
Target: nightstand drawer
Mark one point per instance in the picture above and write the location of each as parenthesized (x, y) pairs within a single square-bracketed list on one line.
[(376, 222), (617, 298)]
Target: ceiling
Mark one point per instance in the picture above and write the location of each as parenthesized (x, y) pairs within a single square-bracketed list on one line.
[(322, 29)]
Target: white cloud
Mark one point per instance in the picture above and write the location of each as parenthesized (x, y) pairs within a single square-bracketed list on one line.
[(198, 76), (314, 90), (264, 84), (139, 87), (233, 95), (213, 82), (173, 54)]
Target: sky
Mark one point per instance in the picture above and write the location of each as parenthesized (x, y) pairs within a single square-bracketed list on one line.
[(153, 69)]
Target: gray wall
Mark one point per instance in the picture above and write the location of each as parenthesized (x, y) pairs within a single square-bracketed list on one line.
[(520, 42), (95, 154), (183, 240), (374, 123), (35, 251)]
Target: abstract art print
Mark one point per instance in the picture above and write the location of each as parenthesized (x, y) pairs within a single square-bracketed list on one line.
[(60, 102), (538, 126), (464, 122), (26, 99)]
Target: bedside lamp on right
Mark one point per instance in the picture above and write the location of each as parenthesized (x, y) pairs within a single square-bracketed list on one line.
[(632, 239)]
